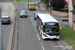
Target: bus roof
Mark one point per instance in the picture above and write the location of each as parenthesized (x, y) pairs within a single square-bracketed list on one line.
[(47, 18)]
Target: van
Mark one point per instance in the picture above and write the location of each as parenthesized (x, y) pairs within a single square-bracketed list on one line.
[(31, 6)]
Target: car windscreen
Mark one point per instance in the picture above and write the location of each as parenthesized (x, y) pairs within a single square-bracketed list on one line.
[(51, 27), (31, 4)]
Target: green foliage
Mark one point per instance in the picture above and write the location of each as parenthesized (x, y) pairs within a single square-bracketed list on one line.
[(73, 1), (42, 1), (64, 10), (73, 11), (46, 2), (69, 36), (74, 5), (57, 4)]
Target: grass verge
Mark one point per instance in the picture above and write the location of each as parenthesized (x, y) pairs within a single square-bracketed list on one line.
[(69, 36)]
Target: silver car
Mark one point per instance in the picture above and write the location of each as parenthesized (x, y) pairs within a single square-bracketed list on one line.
[(6, 19), (23, 13)]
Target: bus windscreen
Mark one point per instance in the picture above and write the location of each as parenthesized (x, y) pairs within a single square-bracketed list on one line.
[(51, 28)]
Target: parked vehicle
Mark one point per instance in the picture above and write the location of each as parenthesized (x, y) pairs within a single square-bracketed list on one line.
[(6, 19), (23, 13)]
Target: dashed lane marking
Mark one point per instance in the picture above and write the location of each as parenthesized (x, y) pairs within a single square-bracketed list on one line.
[(38, 36), (42, 46)]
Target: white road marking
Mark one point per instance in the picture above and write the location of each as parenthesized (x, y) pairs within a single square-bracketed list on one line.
[(36, 31), (11, 32), (42, 46), (31, 20), (34, 27), (63, 48), (38, 36), (10, 39)]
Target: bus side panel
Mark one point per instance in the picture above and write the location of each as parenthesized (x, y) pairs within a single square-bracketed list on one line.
[(38, 27)]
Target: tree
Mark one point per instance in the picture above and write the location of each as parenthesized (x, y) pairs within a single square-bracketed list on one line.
[(45, 2), (57, 4), (73, 11)]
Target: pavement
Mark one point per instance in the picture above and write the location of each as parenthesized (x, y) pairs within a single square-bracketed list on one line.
[(7, 9)]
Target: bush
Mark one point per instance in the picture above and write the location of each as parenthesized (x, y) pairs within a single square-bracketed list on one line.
[(64, 10), (73, 11)]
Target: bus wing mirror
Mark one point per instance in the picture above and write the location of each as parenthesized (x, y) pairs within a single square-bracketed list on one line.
[(41, 26), (60, 27)]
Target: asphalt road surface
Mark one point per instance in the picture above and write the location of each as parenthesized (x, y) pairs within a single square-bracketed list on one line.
[(6, 10), (27, 35), (29, 38)]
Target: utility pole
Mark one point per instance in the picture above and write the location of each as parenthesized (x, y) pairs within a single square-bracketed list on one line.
[(1, 35), (70, 14)]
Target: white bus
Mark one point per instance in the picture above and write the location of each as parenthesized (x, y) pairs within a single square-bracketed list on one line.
[(48, 26)]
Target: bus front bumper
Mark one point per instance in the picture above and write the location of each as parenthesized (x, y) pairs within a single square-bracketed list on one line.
[(50, 37)]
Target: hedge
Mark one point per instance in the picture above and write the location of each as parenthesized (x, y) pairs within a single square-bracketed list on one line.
[(64, 10)]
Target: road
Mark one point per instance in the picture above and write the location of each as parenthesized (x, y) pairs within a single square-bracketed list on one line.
[(27, 35), (7, 10), (29, 38)]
